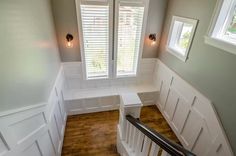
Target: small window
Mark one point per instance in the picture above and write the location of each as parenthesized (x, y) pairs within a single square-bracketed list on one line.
[(222, 32), (180, 36)]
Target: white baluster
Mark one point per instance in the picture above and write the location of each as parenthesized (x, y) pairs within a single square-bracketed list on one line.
[(134, 139), (139, 144), (131, 134), (146, 146), (154, 149), (127, 132)]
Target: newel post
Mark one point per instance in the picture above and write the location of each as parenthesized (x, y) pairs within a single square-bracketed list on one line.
[(130, 104)]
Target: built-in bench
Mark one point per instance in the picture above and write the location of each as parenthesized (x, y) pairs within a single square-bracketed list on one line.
[(85, 96), (107, 98)]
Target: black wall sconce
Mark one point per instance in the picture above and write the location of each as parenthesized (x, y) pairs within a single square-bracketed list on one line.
[(69, 39), (153, 38)]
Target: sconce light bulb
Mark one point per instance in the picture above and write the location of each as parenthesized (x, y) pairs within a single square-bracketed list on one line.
[(69, 39), (153, 38), (153, 43), (69, 44)]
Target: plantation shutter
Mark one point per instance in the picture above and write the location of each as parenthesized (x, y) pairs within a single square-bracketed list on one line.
[(96, 39), (130, 24)]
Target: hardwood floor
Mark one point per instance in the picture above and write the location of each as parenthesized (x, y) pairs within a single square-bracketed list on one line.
[(95, 134)]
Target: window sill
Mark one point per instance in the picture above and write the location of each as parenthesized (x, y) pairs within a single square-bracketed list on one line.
[(223, 45), (175, 53)]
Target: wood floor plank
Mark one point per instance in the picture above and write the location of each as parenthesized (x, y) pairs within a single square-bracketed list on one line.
[(95, 134)]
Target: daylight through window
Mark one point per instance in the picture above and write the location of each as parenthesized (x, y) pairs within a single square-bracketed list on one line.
[(180, 36)]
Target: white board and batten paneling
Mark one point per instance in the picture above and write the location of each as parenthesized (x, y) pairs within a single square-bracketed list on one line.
[(37, 130), (86, 96), (190, 114)]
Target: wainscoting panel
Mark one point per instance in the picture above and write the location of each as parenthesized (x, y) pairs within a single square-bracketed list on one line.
[(190, 114), (86, 96), (33, 149), (81, 106), (37, 130), (46, 145), (3, 145), (74, 76)]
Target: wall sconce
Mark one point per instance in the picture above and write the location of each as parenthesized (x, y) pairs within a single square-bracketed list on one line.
[(69, 39), (153, 38)]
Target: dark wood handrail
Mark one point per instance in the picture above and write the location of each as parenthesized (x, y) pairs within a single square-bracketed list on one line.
[(167, 145)]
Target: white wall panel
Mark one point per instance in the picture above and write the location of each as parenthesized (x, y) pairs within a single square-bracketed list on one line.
[(171, 104), (37, 130), (32, 150), (190, 114), (180, 115), (45, 145), (3, 145), (23, 129), (74, 76)]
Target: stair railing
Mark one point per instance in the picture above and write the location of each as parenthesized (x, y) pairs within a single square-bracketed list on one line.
[(136, 139)]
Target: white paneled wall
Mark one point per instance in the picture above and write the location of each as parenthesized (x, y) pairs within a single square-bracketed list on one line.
[(37, 130), (85, 96), (190, 115), (75, 78)]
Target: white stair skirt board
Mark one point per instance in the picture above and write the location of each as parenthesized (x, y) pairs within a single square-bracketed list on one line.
[(191, 115), (37, 130)]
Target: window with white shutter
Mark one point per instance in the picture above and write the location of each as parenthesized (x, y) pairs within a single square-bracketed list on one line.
[(129, 36), (95, 22)]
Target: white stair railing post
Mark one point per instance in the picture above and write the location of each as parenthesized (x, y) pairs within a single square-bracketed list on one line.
[(130, 104)]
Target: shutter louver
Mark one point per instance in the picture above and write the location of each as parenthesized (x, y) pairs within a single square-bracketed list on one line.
[(130, 24), (95, 29)]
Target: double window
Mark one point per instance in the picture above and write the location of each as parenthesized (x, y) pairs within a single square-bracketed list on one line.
[(111, 39)]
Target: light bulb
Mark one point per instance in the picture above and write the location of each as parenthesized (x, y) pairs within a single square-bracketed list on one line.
[(153, 43), (69, 44)]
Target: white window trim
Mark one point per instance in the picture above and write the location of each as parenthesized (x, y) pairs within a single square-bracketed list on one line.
[(216, 42), (174, 51), (144, 3), (110, 4)]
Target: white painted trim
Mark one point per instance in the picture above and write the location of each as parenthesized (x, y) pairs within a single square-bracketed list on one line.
[(175, 52), (80, 29), (216, 22), (22, 109), (221, 44), (144, 3)]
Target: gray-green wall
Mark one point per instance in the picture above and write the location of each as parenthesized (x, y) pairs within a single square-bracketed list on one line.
[(64, 12), (29, 58), (210, 70)]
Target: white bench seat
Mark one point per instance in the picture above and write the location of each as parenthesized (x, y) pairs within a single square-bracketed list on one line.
[(108, 91), (102, 99)]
